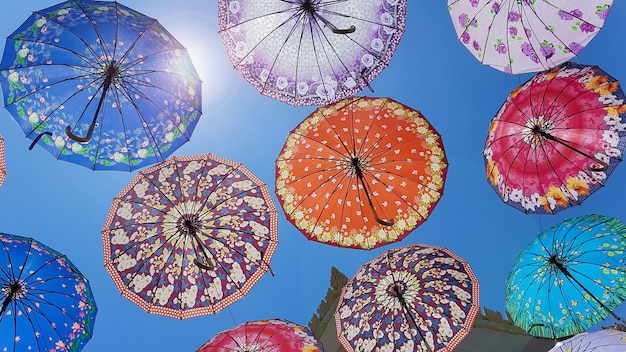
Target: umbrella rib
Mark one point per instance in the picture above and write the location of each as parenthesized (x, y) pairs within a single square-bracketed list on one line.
[(102, 42), (294, 15), (86, 76), (134, 43), (234, 25), (323, 38), (546, 26), (76, 35), (89, 62)]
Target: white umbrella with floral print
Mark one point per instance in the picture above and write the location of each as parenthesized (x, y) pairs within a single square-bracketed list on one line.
[(518, 36), (311, 52), (413, 298), (190, 235)]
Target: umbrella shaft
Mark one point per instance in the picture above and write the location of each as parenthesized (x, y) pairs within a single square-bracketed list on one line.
[(604, 166), (405, 307), (359, 175), (571, 277), (112, 70)]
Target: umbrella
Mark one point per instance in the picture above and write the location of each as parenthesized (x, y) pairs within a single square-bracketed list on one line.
[(276, 335), (47, 304), (606, 340), (3, 166), (101, 85), (413, 298), (361, 173), (569, 277), (310, 52), (556, 139), (517, 36), (190, 236)]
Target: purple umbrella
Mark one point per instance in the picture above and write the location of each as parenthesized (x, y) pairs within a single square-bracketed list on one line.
[(310, 52)]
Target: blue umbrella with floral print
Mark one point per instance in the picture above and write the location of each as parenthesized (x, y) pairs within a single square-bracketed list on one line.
[(47, 304), (413, 298), (101, 85), (517, 36), (569, 278)]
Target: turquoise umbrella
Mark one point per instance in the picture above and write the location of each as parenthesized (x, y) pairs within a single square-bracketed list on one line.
[(569, 277)]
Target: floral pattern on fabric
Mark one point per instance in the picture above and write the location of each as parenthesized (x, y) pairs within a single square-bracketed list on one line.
[(52, 306), (413, 298), (53, 79), (276, 335), (401, 158), (190, 235), (550, 302), (582, 108), (3, 165), (605, 340), (288, 51), (517, 36)]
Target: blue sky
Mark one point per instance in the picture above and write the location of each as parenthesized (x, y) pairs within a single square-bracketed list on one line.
[(65, 205)]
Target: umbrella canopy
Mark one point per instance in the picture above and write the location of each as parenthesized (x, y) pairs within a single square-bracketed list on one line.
[(556, 139), (275, 335), (100, 85), (310, 52), (190, 235), (518, 36), (606, 340), (569, 278), (413, 298), (3, 165), (47, 304), (361, 173)]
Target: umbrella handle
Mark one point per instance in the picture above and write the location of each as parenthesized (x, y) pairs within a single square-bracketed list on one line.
[(334, 28), (38, 138), (68, 131)]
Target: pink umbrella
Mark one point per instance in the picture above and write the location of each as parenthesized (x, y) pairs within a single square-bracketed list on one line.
[(275, 335), (556, 139)]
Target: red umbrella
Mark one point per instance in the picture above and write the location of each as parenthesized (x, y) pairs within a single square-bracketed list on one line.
[(275, 335), (556, 139)]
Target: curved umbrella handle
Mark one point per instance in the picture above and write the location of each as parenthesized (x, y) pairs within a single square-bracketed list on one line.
[(334, 28), (111, 72), (38, 138), (349, 30), (68, 131), (208, 266)]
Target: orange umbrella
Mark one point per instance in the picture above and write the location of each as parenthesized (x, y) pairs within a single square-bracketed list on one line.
[(361, 173)]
